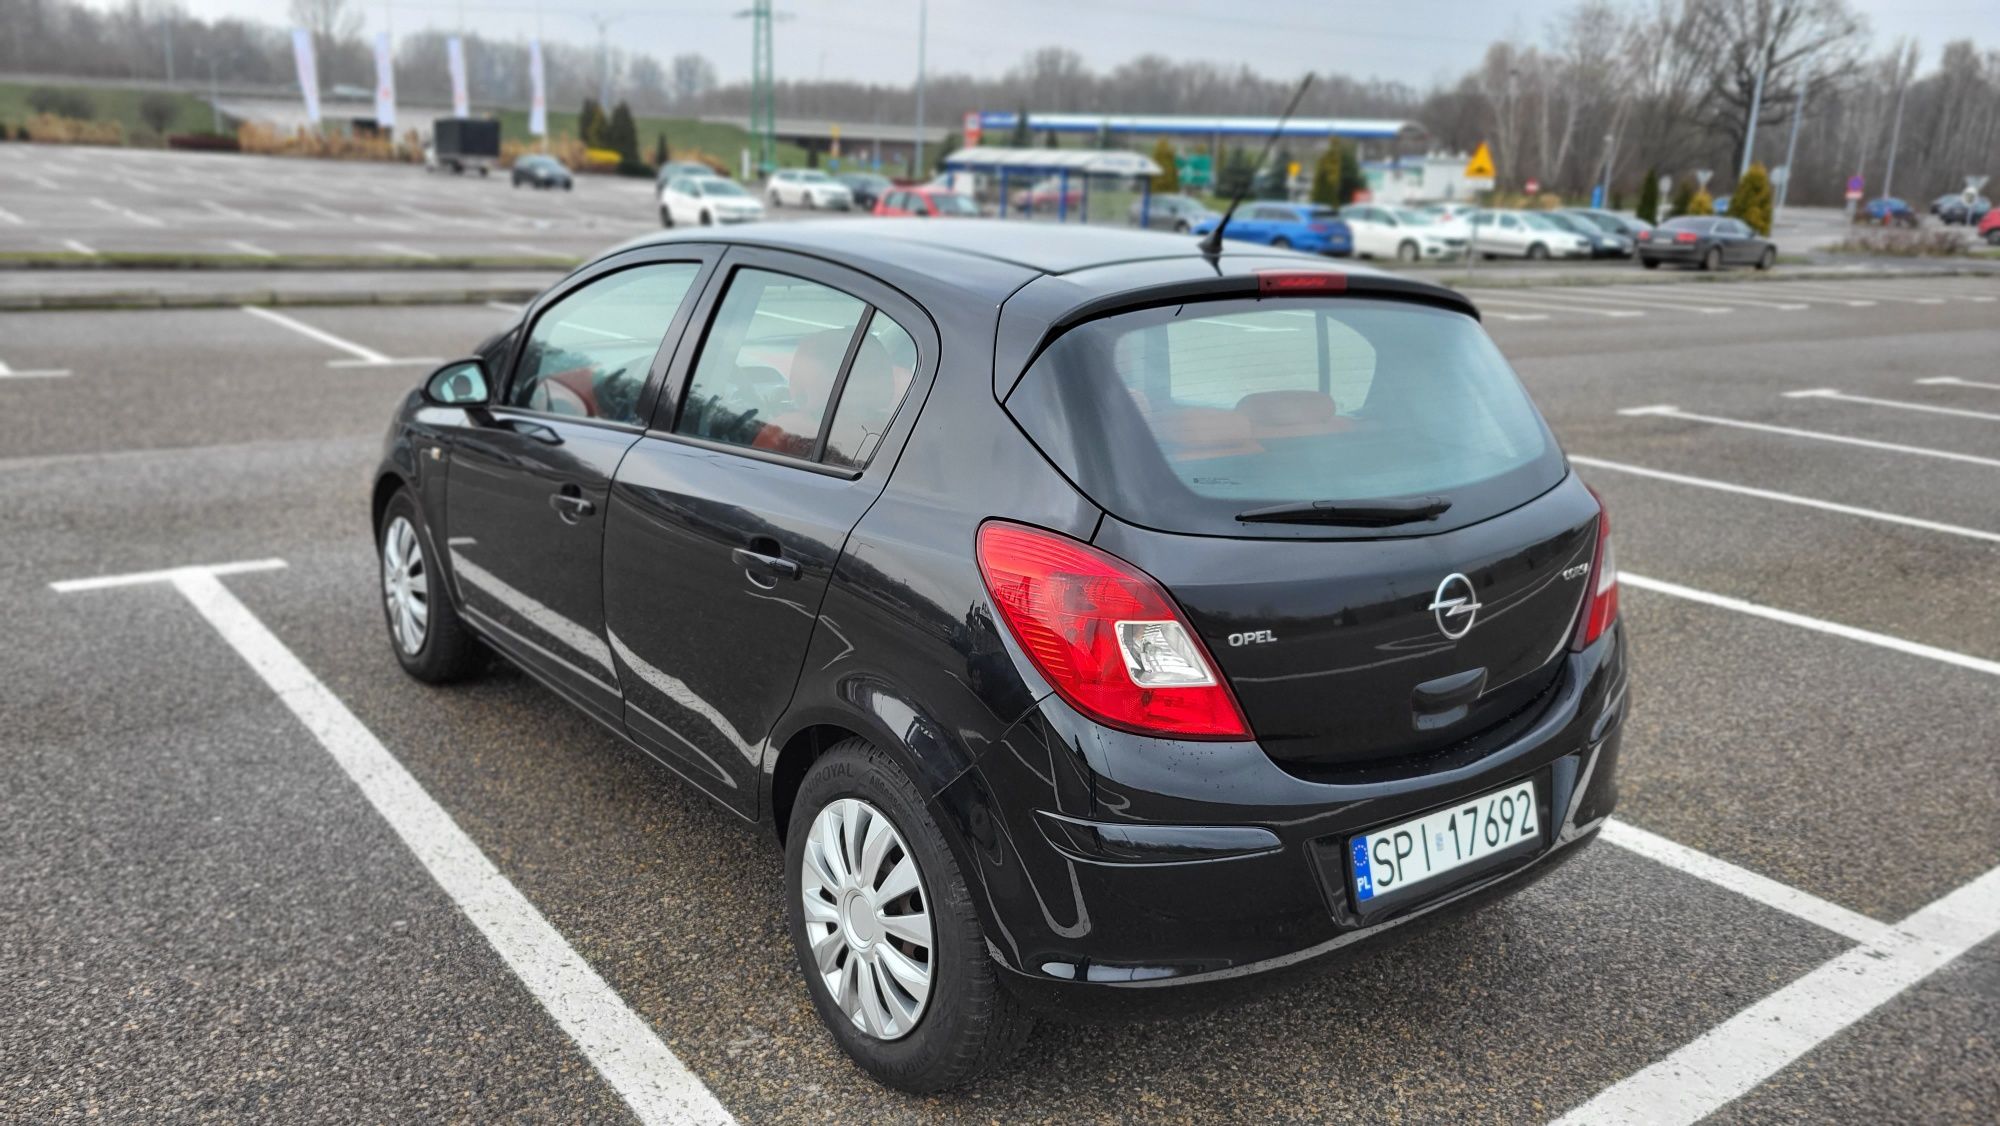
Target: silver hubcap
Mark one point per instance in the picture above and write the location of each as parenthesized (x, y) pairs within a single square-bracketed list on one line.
[(867, 918), (406, 585)]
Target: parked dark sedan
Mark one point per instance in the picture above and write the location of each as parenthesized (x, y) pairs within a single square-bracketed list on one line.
[(1708, 241), (1603, 243), (1093, 620), (866, 187), (1956, 208), (542, 172)]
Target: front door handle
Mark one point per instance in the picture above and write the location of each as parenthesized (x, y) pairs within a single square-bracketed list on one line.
[(571, 504), (755, 563)]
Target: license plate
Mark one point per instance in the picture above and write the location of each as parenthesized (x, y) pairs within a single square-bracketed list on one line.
[(1399, 856)]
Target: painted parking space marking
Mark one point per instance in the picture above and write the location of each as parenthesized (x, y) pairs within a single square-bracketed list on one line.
[(7, 216), (1762, 889), (243, 216), (1954, 381), (1785, 498), (1815, 435), (364, 356), (1739, 1055), (251, 249), (1726, 295), (1873, 294), (79, 248), (1778, 289), (1838, 396), (1643, 303), (42, 373), (1817, 625), (348, 217), (135, 216), (631, 1057), (1512, 303)]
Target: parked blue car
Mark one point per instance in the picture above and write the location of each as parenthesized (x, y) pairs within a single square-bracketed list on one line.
[(1889, 211), (1300, 226)]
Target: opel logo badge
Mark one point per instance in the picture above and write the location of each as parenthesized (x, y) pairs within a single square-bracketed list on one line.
[(1455, 606)]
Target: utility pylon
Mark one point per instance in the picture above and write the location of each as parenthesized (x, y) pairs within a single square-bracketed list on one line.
[(763, 96)]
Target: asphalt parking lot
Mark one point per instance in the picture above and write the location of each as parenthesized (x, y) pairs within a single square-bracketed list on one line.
[(203, 914)]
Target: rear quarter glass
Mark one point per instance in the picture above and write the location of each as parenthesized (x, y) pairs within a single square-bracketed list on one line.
[(1180, 417)]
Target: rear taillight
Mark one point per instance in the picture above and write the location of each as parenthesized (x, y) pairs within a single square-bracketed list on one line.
[(1600, 604), (1105, 636), (1321, 228), (1685, 236)]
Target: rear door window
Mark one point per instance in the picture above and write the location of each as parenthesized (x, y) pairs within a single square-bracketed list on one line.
[(1181, 417)]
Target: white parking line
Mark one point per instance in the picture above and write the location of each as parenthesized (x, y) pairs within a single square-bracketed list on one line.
[(1838, 288), (1748, 884), (43, 373), (366, 355), (252, 249), (365, 220), (1785, 498), (1894, 404), (1954, 381), (407, 251), (1776, 289), (623, 1048), (1709, 293), (1816, 435), (228, 212), (1485, 312), (1735, 1057), (7, 216), (127, 212), (79, 247), (1512, 303), (504, 307), (1643, 303), (1817, 625)]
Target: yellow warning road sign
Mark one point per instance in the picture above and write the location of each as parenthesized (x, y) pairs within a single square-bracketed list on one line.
[(1480, 167)]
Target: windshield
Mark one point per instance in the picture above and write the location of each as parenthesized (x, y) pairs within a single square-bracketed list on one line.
[(951, 203), (718, 187), (813, 178), (1414, 218), (1181, 417)]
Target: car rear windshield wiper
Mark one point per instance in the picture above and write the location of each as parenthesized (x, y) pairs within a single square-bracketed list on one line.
[(1357, 513)]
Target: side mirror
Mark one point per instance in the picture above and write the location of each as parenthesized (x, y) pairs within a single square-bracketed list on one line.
[(460, 383)]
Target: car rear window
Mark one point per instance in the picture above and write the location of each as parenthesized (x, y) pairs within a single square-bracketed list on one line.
[(1181, 417)]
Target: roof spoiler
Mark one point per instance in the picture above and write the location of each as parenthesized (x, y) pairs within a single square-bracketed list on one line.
[(1277, 282)]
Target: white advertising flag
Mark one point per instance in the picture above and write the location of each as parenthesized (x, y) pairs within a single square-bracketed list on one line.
[(538, 108), (454, 51), (302, 53), (385, 83)]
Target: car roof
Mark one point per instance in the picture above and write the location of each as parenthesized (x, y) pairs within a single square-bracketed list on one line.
[(991, 259)]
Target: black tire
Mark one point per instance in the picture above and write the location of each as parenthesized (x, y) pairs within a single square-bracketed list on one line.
[(666, 217), (1537, 252), (1181, 227), (1713, 259), (970, 1021), (1993, 237), (569, 185), (774, 201), (449, 651), (1650, 263), (517, 181), (707, 220), (1767, 259), (812, 204), (483, 170), (1282, 243), (1408, 252)]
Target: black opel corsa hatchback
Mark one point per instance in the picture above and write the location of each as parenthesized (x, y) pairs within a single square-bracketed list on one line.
[(1093, 620)]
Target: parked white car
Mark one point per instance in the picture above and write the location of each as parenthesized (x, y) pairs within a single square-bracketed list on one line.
[(1400, 233), (1524, 234), (807, 187), (703, 201)]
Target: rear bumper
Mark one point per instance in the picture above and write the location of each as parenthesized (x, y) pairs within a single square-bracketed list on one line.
[(1689, 253), (1119, 866)]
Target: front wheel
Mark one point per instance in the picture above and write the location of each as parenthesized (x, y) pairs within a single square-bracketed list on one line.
[(666, 216), (1993, 237), (424, 629), (885, 931), (1767, 259), (1407, 252), (1282, 243), (707, 220), (1181, 227)]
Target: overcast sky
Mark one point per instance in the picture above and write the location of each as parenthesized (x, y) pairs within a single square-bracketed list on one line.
[(1419, 42)]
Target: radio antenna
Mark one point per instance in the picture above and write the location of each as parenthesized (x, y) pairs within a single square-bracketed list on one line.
[(1211, 246)]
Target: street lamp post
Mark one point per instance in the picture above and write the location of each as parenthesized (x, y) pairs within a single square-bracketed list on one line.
[(923, 13)]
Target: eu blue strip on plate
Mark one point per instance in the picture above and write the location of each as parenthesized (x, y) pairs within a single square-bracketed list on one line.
[(1364, 880)]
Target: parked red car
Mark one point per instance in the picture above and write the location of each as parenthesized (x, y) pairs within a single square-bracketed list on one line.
[(928, 201), (1989, 227)]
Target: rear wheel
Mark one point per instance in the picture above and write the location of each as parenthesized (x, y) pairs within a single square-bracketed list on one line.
[(1181, 227), (1538, 252), (707, 220), (1650, 263), (424, 629), (774, 201), (1767, 259), (666, 216), (1713, 259), (885, 931), (1282, 243), (1407, 252)]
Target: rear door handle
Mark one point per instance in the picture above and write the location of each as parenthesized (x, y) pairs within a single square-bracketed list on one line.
[(755, 563), (571, 504)]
